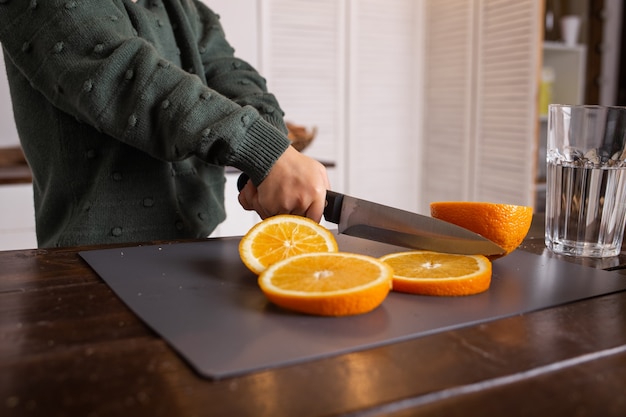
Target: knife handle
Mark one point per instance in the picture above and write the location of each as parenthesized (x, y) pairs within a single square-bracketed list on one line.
[(242, 181), (332, 211)]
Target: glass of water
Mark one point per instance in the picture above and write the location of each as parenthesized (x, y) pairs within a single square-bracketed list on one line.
[(586, 180)]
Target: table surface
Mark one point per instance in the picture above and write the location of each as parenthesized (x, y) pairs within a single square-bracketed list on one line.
[(13, 167), (70, 347)]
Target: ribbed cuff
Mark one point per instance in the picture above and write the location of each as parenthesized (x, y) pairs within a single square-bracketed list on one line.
[(256, 155), (277, 122)]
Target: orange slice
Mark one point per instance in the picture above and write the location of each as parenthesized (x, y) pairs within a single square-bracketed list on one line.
[(433, 273), (282, 236), (327, 284), (505, 224)]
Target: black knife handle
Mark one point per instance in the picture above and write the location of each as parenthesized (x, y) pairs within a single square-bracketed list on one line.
[(332, 211), (242, 181)]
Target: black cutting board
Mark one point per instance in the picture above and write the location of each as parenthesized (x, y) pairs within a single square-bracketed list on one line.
[(204, 302)]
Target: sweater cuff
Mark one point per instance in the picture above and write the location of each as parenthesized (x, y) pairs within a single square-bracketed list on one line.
[(277, 121), (256, 156)]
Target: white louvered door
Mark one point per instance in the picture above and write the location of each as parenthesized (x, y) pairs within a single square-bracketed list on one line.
[(448, 90), (506, 133), (349, 68), (414, 100), (384, 127), (303, 57), (480, 136)]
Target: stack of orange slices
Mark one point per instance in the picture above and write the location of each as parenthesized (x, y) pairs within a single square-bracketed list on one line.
[(300, 267)]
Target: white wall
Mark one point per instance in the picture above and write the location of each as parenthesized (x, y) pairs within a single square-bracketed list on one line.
[(240, 21)]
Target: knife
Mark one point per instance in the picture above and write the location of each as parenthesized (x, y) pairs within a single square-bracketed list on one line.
[(373, 221)]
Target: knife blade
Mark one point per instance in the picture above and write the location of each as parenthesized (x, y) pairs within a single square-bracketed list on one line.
[(373, 221)]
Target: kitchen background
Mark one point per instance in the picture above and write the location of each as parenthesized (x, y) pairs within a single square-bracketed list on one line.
[(412, 100)]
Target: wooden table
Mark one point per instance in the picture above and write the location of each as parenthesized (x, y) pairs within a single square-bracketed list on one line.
[(13, 167), (70, 347)]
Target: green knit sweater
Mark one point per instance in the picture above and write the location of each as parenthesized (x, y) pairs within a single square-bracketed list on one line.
[(128, 112)]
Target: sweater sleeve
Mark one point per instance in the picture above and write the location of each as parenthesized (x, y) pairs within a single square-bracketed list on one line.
[(231, 76), (87, 59)]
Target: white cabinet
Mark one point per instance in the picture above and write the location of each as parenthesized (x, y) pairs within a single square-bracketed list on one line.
[(17, 213), (17, 219)]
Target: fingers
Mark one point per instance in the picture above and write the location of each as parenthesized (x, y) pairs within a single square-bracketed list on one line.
[(248, 197), (316, 209), (296, 185), (249, 200)]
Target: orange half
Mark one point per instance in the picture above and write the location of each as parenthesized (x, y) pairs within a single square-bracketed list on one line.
[(505, 224)]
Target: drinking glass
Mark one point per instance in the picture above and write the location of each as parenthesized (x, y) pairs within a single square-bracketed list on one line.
[(586, 180)]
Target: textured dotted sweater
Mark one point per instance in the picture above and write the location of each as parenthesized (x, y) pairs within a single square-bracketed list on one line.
[(127, 113)]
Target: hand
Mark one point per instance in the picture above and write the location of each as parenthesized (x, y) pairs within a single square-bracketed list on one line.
[(296, 184)]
